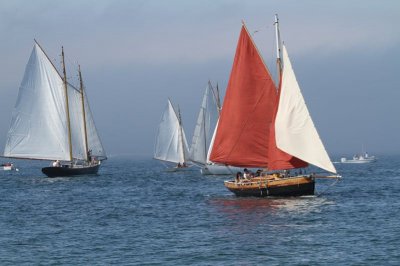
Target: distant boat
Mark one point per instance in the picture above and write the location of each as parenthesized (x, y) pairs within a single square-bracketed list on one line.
[(52, 121), (203, 136), (363, 158), (264, 127), (171, 145), (7, 166)]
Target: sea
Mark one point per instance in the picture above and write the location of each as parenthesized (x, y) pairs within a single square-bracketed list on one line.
[(135, 213)]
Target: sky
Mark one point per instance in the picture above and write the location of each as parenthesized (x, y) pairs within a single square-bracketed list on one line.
[(136, 54)]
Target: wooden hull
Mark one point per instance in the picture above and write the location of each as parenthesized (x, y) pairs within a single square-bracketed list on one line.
[(70, 171), (270, 186)]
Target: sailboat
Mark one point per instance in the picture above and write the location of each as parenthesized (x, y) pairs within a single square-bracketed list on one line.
[(205, 127), (7, 166), (268, 126), (52, 121), (171, 144), (204, 134)]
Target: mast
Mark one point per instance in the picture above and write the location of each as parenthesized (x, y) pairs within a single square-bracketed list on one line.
[(278, 48), (83, 113), (180, 129), (204, 122), (67, 103), (218, 100)]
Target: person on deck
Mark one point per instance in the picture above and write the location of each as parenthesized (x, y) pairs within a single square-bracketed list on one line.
[(246, 174), (238, 177), (89, 155)]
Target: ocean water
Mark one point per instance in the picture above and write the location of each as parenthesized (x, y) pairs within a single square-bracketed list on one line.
[(134, 213)]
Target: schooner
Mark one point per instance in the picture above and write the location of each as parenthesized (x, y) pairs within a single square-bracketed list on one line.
[(52, 121)]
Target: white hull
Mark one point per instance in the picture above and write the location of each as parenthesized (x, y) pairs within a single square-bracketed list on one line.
[(178, 169), (359, 160), (7, 167), (216, 169)]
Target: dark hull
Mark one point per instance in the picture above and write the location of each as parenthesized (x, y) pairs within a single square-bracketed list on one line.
[(279, 189), (70, 171)]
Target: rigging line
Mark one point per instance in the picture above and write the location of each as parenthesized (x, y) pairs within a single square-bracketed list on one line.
[(331, 185)]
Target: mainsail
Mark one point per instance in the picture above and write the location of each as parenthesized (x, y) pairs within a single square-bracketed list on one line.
[(39, 125), (171, 144), (243, 129), (206, 122)]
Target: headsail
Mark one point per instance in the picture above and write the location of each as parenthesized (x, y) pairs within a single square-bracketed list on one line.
[(94, 142), (77, 127), (171, 144), (243, 128), (294, 128), (206, 122), (38, 127)]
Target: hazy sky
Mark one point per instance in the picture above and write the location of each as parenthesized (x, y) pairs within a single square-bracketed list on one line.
[(136, 54)]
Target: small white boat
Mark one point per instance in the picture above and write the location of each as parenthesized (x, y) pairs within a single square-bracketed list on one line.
[(365, 158), (7, 166), (171, 146)]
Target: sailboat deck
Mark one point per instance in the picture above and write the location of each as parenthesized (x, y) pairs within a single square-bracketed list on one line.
[(269, 181)]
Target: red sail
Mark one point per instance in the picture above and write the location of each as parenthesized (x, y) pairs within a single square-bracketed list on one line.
[(242, 136)]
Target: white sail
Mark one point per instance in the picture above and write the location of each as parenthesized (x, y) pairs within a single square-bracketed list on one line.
[(184, 147), (212, 143), (171, 144), (206, 122), (76, 123), (294, 129), (94, 142), (38, 127)]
